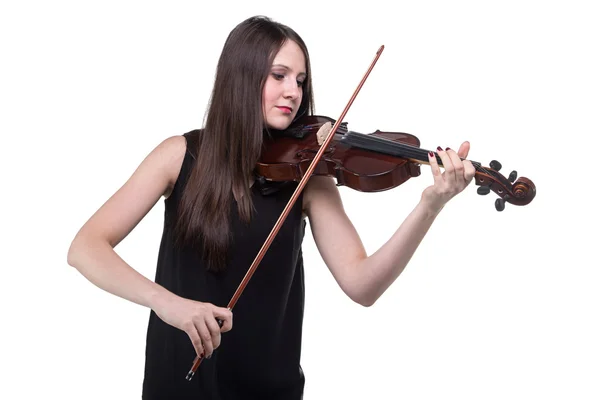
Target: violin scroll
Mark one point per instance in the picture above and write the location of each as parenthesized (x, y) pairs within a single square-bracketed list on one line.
[(519, 193)]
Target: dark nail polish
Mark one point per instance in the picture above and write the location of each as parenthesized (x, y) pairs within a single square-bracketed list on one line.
[(439, 148), (431, 154), (447, 148)]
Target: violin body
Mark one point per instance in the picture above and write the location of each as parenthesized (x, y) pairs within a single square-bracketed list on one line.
[(286, 157), (369, 162)]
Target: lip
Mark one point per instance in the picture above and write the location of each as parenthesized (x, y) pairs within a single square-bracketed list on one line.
[(285, 109)]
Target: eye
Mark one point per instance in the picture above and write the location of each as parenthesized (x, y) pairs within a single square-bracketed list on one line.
[(300, 83), (277, 76)]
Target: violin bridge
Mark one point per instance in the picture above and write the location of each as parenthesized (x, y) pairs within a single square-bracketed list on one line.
[(323, 132)]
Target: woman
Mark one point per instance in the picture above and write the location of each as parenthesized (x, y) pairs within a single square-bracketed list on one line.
[(217, 216)]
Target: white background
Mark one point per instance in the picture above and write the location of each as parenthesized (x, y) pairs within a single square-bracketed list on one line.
[(492, 305)]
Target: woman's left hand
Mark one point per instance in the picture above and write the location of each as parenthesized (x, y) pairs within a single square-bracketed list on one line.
[(456, 176)]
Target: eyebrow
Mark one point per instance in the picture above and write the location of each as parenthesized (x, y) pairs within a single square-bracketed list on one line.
[(288, 68)]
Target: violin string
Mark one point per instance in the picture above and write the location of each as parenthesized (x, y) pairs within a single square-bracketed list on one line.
[(404, 149), (408, 150), (376, 143)]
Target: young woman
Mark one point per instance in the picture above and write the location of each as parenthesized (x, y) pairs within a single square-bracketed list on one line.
[(217, 217)]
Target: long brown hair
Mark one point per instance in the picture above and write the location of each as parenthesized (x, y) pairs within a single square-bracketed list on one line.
[(230, 144)]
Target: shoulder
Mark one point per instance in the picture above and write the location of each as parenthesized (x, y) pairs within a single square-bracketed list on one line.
[(170, 154), (172, 148), (318, 192), (154, 177)]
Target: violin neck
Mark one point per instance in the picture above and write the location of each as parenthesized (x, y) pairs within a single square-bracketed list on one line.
[(383, 145), (387, 146)]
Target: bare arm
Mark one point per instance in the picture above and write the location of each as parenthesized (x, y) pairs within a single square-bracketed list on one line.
[(92, 250), (364, 279)]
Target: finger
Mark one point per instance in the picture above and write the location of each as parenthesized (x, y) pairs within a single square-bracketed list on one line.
[(192, 333), (457, 164), (447, 165), (463, 151), (469, 170), (435, 168), (215, 331), (225, 315), (206, 338)]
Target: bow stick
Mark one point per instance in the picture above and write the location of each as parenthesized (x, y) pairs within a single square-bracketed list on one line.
[(288, 207)]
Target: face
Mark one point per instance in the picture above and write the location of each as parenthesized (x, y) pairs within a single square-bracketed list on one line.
[(282, 94)]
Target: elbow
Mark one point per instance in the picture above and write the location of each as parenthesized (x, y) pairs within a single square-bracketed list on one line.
[(358, 286), (72, 254), (364, 299), (360, 292), (366, 302), (364, 291), (75, 251)]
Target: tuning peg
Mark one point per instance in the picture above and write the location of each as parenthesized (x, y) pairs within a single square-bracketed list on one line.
[(500, 204), (512, 176), (495, 165), (483, 190)]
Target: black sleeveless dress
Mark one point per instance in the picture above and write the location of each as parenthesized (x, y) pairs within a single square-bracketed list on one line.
[(260, 357)]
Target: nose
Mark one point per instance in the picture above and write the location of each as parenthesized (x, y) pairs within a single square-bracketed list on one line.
[(292, 90)]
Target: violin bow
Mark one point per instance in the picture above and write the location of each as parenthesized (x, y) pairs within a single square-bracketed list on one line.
[(288, 207)]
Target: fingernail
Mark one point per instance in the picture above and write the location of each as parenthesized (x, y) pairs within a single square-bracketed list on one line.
[(447, 148), (431, 154), (439, 148)]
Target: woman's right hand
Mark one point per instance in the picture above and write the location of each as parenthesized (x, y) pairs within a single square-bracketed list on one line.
[(197, 319)]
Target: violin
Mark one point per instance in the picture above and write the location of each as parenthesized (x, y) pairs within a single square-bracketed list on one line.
[(370, 162)]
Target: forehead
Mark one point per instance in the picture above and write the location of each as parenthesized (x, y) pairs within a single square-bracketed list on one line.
[(291, 56)]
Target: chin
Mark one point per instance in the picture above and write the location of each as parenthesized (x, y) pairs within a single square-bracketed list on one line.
[(279, 123)]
